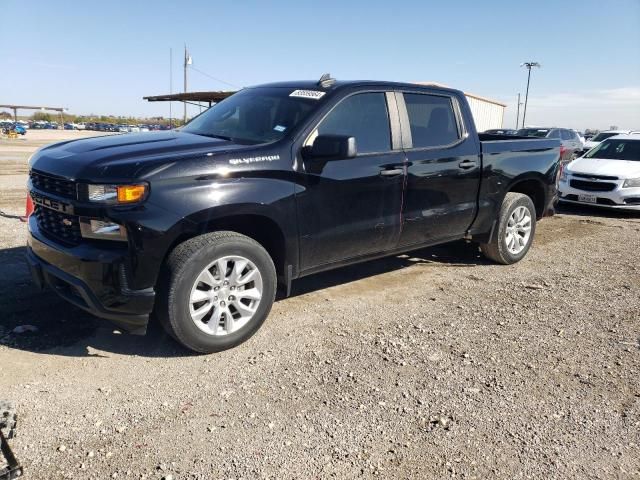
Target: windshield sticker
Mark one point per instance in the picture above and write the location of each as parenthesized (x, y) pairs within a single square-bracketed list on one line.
[(247, 160), (313, 94), (279, 128)]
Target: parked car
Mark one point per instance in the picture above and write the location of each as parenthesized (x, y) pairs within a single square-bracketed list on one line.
[(501, 131), (608, 175), (7, 127), (276, 182), (595, 140), (123, 129), (570, 142), (134, 129)]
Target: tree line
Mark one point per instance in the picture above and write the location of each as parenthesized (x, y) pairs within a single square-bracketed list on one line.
[(70, 118)]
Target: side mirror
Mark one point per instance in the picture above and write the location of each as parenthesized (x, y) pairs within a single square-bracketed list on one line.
[(332, 147)]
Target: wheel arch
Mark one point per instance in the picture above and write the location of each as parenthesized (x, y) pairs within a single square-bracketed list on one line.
[(534, 187), (257, 223)]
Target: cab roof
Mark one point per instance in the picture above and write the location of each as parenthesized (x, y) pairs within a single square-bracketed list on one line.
[(341, 84)]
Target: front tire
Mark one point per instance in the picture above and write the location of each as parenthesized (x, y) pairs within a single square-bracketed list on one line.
[(515, 230), (216, 291)]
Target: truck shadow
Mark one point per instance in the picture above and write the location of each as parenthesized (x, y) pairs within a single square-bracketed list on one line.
[(48, 325), (452, 254)]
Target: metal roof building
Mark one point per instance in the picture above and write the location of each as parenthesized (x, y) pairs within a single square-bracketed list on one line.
[(486, 113)]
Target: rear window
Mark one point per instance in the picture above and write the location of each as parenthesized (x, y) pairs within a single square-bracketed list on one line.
[(617, 150), (432, 120), (533, 132)]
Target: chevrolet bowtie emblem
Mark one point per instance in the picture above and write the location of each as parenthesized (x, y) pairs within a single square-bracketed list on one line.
[(66, 222)]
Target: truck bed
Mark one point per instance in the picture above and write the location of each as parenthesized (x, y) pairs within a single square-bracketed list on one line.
[(503, 143), (508, 160)]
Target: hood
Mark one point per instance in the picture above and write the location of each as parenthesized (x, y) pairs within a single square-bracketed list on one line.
[(126, 156), (622, 169)]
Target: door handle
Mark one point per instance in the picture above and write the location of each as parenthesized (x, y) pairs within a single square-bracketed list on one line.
[(391, 172), (467, 164)]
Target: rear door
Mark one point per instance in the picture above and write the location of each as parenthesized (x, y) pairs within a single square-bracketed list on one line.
[(351, 207), (443, 168)]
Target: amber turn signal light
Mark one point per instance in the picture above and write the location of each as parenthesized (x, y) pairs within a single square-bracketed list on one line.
[(131, 193)]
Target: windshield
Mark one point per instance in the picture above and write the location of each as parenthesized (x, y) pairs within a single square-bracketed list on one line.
[(603, 136), (254, 115), (533, 132), (617, 150)]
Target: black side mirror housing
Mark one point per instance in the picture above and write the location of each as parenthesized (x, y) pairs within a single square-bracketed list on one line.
[(332, 147)]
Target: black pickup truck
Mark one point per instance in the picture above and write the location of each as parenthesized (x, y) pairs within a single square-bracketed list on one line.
[(200, 226)]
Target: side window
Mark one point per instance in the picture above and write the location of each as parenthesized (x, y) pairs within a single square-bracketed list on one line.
[(554, 134), (363, 116), (432, 120)]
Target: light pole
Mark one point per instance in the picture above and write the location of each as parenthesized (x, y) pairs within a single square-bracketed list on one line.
[(528, 66), (518, 111), (187, 61)]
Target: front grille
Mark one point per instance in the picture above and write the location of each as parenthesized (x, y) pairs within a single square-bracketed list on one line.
[(52, 184), (59, 226), (599, 177), (592, 186)]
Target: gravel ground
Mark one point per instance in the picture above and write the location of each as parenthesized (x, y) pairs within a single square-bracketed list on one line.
[(436, 364)]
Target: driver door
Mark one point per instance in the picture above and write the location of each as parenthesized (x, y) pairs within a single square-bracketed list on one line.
[(351, 207)]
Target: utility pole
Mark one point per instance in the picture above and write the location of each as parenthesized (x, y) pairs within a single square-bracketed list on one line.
[(528, 66), (518, 111), (187, 62), (170, 86)]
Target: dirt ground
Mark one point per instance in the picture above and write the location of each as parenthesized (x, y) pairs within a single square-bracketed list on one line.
[(436, 364)]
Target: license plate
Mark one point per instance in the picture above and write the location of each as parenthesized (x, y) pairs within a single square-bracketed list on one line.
[(588, 198), (51, 203)]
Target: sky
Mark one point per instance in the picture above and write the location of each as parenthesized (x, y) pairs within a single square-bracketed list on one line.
[(103, 57)]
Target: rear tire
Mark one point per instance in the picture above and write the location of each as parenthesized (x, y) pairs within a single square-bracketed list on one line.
[(514, 232), (216, 290)]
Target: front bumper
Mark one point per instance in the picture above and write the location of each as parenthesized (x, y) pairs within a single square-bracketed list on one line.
[(619, 198), (91, 278)]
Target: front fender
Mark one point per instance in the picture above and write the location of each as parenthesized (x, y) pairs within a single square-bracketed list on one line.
[(203, 202)]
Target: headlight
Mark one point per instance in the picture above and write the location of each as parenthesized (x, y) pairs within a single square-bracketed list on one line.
[(102, 229), (631, 183), (115, 194)]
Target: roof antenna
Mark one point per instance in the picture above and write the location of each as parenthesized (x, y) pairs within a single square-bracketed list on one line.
[(326, 81)]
